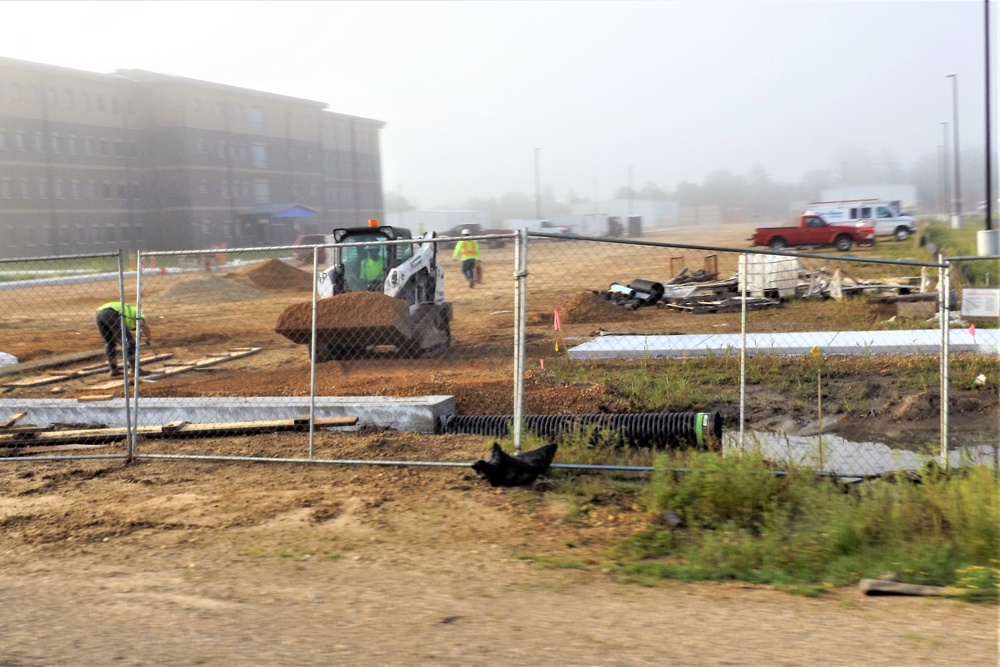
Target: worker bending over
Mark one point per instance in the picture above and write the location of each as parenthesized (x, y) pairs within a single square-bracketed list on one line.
[(109, 324)]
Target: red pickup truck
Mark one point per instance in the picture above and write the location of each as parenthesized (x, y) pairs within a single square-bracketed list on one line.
[(814, 231)]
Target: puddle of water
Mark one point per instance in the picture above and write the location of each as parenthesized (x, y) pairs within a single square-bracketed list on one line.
[(834, 454)]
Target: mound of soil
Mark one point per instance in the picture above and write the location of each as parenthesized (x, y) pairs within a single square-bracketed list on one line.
[(589, 308), (208, 289), (357, 315), (275, 274)]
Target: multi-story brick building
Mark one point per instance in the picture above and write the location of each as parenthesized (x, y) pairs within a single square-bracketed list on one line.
[(94, 162)]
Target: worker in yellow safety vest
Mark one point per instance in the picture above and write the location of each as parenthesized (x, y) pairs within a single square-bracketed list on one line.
[(109, 323), (468, 251), (371, 270)]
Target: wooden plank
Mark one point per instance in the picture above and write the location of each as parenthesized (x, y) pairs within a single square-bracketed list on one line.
[(95, 397), (13, 419), (173, 429), (41, 380), (50, 362), (26, 451)]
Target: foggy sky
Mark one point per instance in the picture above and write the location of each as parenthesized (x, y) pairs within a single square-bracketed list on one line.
[(469, 90)]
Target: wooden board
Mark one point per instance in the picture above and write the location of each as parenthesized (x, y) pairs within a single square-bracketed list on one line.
[(62, 376), (173, 429), (210, 360), (13, 419), (883, 587), (27, 451), (50, 362)]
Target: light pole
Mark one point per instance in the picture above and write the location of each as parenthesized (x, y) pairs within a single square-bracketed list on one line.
[(538, 188), (942, 197), (947, 171), (954, 122)]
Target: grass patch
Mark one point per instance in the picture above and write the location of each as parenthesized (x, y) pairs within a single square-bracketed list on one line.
[(804, 533)]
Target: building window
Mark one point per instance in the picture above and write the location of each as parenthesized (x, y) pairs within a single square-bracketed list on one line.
[(5, 188), (105, 148), (260, 155), (15, 92), (3, 139), (199, 145), (54, 140), (197, 106), (122, 192), (203, 187), (74, 189), (68, 95), (71, 144), (246, 190), (21, 140), (119, 149), (100, 102), (57, 189), (128, 106), (262, 193), (25, 189), (92, 190), (257, 117), (39, 146), (220, 150), (85, 101), (133, 148), (114, 104), (135, 190), (224, 189), (107, 190), (43, 191)]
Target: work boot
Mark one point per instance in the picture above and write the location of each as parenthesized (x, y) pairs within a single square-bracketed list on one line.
[(472, 283), (116, 371), (143, 371)]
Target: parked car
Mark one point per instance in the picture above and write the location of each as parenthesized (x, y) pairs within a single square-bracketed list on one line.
[(882, 215)]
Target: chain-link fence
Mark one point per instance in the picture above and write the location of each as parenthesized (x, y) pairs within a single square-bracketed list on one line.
[(836, 361)]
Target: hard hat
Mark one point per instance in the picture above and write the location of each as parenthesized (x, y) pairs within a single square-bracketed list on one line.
[(465, 232)]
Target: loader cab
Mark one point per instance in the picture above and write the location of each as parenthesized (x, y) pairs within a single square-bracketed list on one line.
[(364, 268)]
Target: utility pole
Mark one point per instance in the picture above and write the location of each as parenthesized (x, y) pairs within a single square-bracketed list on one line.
[(954, 122), (947, 171), (538, 188)]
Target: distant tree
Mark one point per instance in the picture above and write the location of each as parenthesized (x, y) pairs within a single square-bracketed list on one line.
[(688, 194), (853, 166), (397, 203)]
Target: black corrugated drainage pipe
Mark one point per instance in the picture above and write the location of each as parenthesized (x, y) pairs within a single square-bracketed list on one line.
[(657, 429)]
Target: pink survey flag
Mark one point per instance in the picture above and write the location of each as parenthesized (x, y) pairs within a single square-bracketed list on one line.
[(972, 329), (556, 326)]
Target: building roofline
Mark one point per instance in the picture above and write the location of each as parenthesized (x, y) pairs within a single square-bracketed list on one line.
[(55, 69)]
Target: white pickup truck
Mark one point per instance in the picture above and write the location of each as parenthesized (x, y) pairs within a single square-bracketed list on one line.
[(881, 215)]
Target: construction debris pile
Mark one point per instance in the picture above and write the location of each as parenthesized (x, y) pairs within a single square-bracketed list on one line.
[(209, 289), (702, 291)]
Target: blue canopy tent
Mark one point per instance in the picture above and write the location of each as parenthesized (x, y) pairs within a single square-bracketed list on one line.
[(276, 224)]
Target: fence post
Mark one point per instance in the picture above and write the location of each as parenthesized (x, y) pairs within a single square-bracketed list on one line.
[(312, 355), (945, 317), (520, 318), (743, 345), (134, 439)]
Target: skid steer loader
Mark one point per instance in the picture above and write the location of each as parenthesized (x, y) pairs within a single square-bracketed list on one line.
[(374, 296)]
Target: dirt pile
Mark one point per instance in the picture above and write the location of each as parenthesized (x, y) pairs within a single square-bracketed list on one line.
[(210, 289), (275, 274), (360, 316), (587, 307)]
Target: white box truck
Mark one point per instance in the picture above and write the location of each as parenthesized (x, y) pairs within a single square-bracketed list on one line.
[(884, 216)]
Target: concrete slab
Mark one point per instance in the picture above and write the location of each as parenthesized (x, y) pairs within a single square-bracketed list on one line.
[(420, 414), (916, 341)]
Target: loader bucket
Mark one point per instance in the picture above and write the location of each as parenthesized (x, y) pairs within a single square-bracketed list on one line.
[(350, 321)]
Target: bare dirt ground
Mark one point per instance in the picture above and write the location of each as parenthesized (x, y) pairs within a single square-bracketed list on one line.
[(192, 562)]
